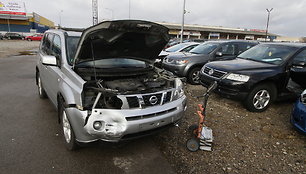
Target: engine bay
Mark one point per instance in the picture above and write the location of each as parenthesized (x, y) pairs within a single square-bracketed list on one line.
[(105, 91)]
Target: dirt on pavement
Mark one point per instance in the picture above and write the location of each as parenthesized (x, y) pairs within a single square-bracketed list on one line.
[(244, 142)]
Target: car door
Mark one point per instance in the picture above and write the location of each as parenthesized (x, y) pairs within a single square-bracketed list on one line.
[(298, 69), (53, 73), (45, 51)]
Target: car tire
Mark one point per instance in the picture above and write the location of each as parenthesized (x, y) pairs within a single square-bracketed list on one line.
[(29, 39), (193, 76), (66, 128), (260, 97), (41, 91)]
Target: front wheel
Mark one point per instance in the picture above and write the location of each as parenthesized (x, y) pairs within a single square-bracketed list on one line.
[(68, 133), (194, 76), (260, 97), (29, 39)]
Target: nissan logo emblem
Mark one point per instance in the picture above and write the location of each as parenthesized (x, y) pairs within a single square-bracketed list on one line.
[(210, 72), (153, 100)]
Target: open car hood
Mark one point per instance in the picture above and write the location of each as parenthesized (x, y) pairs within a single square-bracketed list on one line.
[(133, 39)]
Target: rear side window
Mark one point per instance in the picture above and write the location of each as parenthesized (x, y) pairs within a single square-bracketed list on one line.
[(46, 45)]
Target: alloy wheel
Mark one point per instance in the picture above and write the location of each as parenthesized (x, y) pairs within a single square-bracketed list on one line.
[(261, 99)]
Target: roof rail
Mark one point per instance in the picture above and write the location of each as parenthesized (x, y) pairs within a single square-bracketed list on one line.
[(73, 29)]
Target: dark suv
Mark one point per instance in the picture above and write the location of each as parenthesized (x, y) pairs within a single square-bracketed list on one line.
[(189, 64), (259, 75)]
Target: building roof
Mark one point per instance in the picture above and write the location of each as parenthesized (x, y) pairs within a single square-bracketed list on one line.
[(216, 29)]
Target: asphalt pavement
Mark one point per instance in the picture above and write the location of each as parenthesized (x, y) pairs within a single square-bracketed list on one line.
[(30, 139)]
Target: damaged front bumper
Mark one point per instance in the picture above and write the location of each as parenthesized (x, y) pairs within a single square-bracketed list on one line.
[(114, 125)]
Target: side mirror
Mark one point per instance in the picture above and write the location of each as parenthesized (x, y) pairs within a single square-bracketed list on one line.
[(219, 54), (49, 60)]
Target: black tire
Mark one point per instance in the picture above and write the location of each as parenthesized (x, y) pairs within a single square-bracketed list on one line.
[(29, 39), (260, 97), (66, 128), (192, 128), (193, 144), (193, 76), (41, 91)]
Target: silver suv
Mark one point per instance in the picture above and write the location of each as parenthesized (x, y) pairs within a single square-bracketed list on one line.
[(103, 82)]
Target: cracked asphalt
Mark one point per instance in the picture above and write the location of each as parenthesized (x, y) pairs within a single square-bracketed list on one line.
[(30, 139)]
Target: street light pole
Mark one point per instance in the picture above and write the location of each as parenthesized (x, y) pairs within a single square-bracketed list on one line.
[(183, 20), (269, 11), (60, 18)]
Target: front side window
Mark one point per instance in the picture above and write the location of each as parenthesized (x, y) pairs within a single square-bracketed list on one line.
[(71, 46), (56, 48)]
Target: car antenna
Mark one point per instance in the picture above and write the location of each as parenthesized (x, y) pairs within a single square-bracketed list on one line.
[(93, 59)]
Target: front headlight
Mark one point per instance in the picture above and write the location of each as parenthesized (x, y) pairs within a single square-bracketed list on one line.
[(181, 62), (179, 91), (238, 77)]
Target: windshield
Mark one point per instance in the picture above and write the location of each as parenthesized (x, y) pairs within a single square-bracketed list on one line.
[(114, 63), (72, 43), (273, 54), (205, 48), (176, 47)]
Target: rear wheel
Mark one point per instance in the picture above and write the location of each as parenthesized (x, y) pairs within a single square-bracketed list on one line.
[(260, 97), (29, 39), (41, 92), (193, 76)]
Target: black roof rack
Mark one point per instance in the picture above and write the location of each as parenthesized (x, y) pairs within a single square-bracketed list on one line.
[(73, 29)]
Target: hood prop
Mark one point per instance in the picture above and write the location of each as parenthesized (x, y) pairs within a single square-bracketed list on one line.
[(93, 59)]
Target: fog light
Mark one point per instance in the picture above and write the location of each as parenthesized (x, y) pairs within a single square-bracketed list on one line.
[(97, 125)]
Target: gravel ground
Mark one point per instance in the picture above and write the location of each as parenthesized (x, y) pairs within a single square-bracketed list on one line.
[(244, 142), (14, 47)]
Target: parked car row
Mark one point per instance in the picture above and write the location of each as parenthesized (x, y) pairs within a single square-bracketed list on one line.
[(256, 75), (17, 36), (189, 64)]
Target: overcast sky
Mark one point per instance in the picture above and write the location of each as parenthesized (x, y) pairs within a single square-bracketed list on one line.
[(288, 17)]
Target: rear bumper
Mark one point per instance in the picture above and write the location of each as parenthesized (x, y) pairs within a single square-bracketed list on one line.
[(126, 124), (298, 117)]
